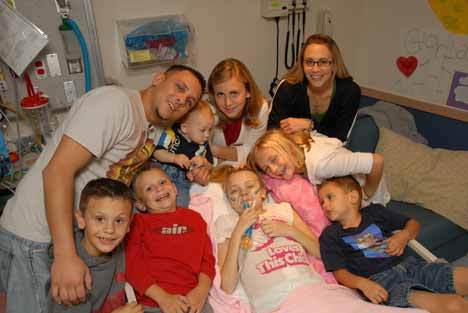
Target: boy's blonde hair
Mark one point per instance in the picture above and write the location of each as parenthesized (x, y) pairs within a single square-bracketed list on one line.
[(201, 107), (224, 71), (346, 183), (296, 74), (288, 145), (148, 166)]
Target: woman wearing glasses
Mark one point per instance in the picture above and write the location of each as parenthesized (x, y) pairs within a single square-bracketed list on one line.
[(317, 93)]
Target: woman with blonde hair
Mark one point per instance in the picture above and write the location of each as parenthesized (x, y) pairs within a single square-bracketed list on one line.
[(318, 93), (242, 111)]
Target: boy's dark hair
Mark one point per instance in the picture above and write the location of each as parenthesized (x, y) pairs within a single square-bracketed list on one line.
[(197, 74), (102, 188), (346, 183)]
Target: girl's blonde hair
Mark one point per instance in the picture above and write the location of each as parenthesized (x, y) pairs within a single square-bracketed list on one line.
[(288, 145), (224, 71), (296, 74)]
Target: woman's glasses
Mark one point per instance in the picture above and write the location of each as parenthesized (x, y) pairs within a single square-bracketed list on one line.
[(322, 63)]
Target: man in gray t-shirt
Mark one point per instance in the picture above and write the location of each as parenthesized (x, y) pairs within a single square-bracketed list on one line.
[(104, 134)]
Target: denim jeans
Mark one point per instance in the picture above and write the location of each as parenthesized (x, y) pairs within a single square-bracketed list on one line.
[(179, 178), (414, 274), (24, 274)]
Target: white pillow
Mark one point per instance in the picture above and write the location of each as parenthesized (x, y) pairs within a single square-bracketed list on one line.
[(433, 178)]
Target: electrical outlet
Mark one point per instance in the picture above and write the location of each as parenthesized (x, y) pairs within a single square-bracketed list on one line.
[(54, 65), (70, 91), (40, 69)]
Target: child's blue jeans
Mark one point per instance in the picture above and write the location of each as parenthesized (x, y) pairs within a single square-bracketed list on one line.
[(24, 273), (414, 274)]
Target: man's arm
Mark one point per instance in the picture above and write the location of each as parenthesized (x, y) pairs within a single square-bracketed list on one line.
[(70, 277), (372, 290)]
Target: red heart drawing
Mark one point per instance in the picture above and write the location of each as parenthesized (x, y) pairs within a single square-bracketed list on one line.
[(407, 65)]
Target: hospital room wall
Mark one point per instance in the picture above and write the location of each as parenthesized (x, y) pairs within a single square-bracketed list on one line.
[(224, 28)]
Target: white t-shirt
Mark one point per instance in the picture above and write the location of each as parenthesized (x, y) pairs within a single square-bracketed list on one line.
[(247, 136), (110, 123), (273, 267), (328, 158)]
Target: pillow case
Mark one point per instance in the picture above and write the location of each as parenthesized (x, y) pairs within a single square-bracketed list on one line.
[(433, 178)]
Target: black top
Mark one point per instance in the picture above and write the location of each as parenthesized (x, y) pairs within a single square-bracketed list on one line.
[(173, 141), (361, 250), (291, 100)]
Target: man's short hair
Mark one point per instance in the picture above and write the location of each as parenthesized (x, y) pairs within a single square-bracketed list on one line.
[(105, 188), (197, 74)]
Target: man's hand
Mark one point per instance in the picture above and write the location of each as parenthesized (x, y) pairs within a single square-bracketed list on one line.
[(174, 304), (397, 243), (132, 307), (292, 124), (199, 161), (373, 291), (70, 280), (276, 229), (182, 160), (200, 170)]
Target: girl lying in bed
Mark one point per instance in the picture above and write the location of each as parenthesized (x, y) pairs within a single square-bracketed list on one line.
[(274, 270)]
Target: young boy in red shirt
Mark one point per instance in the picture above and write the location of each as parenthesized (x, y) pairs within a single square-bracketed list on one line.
[(169, 256)]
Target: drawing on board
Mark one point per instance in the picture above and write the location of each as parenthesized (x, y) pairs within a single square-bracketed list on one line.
[(458, 95), (439, 56), (452, 14)]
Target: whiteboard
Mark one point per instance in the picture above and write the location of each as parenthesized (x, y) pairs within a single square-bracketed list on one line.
[(403, 29)]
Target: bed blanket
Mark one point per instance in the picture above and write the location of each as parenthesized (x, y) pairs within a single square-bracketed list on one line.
[(321, 298), (393, 117), (219, 300)]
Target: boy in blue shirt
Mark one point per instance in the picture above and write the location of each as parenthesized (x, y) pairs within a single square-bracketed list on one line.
[(363, 252)]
